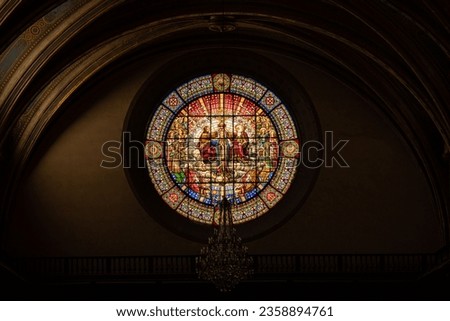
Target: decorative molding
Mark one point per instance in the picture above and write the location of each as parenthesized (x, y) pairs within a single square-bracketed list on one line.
[(29, 53), (6, 8)]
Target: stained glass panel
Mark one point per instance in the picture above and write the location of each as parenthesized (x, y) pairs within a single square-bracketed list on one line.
[(221, 135)]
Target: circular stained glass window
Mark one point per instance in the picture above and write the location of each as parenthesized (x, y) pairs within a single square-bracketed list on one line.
[(222, 135)]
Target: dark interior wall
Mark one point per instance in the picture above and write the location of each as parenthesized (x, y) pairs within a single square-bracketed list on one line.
[(69, 205), (380, 204)]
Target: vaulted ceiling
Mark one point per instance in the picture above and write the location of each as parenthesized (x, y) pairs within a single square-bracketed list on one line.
[(393, 53)]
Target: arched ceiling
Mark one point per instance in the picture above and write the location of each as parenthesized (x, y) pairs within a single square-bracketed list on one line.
[(393, 53)]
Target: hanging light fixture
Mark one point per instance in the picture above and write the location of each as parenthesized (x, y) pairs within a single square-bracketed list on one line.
[(224, 261)]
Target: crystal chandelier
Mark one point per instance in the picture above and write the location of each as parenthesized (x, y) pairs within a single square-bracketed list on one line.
[(224, 260)]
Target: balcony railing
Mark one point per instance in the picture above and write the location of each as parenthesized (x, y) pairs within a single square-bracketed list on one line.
[(265, 266)]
